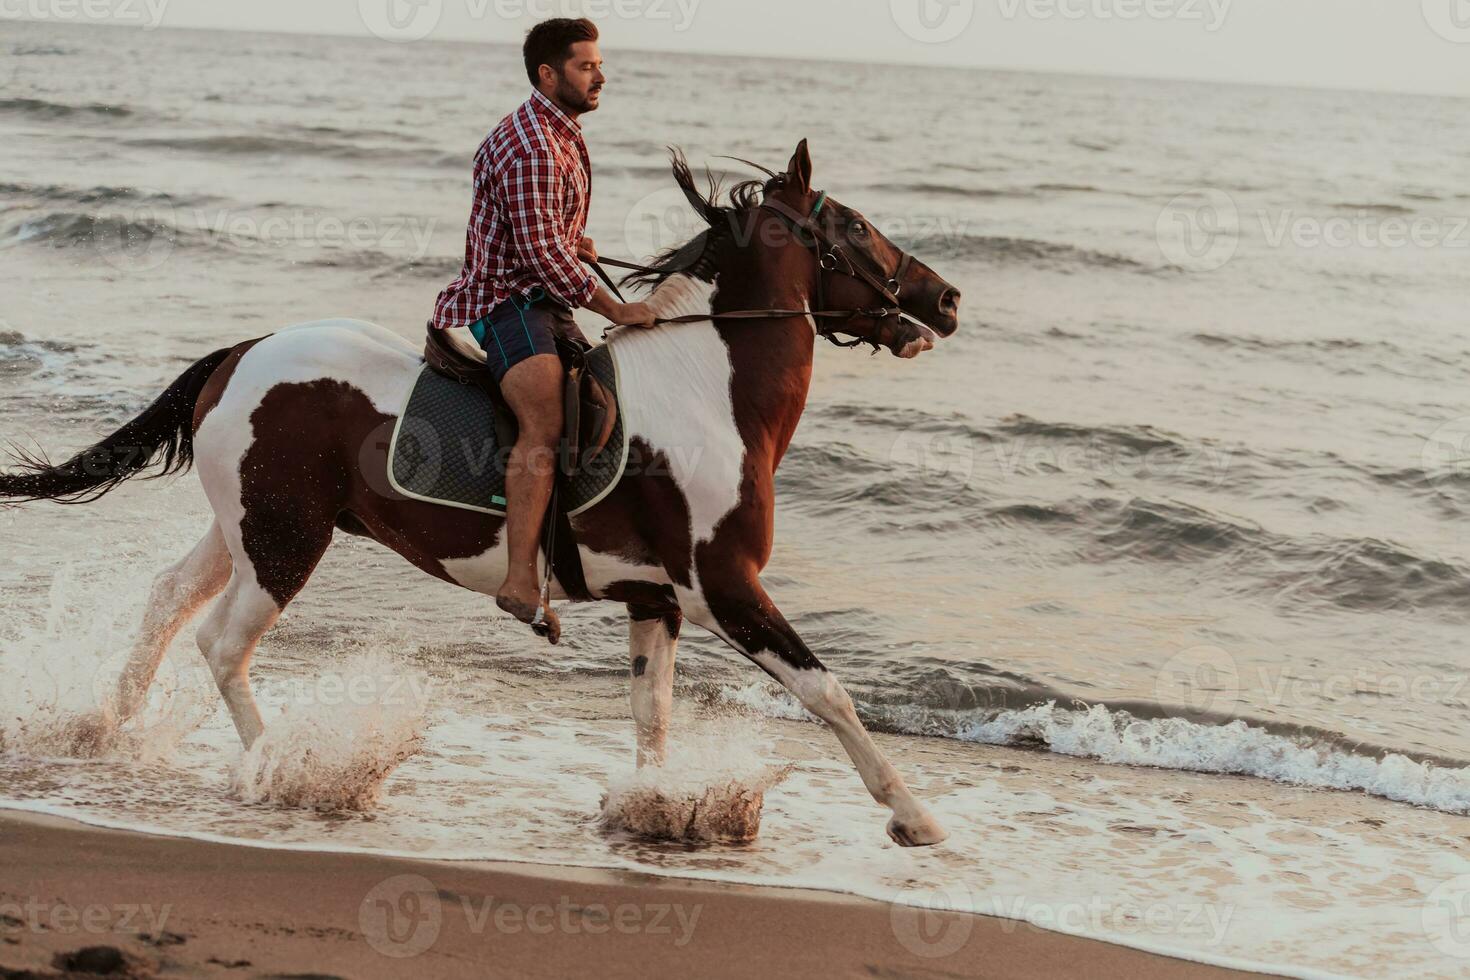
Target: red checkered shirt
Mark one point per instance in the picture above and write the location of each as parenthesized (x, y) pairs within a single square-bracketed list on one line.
[(533, 183)]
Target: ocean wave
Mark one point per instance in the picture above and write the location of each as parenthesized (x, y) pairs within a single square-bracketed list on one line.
[(931, 189), (94, 196), (1375, 208), (41, 50), (998, 250), (252, 144), (68, 229), (42, 109), (20, 355), (1120, 737), (1357, 574)]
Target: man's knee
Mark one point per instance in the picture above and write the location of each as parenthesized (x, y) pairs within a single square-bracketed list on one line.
[(533, 389)]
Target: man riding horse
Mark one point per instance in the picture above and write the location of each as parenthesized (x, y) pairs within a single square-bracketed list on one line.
[(522, 276)]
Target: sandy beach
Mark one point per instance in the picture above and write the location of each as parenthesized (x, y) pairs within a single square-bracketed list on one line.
[(175, 907)]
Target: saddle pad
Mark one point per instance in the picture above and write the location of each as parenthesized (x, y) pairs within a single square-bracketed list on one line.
[(444, 448)]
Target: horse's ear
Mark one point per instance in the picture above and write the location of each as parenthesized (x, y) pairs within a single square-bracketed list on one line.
[(800, 168)]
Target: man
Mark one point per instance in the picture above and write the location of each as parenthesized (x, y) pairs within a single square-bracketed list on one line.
[(522, 276)]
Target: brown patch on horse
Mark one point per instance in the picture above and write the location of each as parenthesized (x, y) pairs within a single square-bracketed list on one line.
[(214, 388), (644, 520)]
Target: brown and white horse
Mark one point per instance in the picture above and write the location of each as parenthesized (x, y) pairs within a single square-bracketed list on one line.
[(287, 435)]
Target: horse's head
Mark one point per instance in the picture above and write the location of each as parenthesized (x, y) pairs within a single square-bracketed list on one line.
[(858, 269)]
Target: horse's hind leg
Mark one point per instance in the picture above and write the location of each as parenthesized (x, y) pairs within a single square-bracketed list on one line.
[(178, 593), (653, 636), (746, 619), (271, 566)]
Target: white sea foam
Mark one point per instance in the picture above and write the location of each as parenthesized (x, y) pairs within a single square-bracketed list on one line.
[(712, 788), (1117, 737), (61, 669), (333, 750)]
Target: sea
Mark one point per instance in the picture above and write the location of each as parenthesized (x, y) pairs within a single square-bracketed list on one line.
[(1152, 579)]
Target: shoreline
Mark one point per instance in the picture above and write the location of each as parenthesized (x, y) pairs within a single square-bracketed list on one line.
[(181, 905)]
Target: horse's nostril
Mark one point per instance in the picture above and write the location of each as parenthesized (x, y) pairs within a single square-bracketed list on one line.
[(949, 301)]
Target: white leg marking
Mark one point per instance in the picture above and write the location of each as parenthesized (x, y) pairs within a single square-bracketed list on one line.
[(227, 639), (178, 592), (822, 695), (651, 650)]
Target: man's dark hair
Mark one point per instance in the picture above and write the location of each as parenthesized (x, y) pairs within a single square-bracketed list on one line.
[(550, 43)]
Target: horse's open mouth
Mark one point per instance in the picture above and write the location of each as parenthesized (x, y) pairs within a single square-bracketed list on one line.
[(910, 338)]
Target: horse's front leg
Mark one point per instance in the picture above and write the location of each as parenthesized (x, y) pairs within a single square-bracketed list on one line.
[(747, 619), (653, 635)]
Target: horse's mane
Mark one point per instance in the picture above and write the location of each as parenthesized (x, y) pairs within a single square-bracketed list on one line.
[(700, 256)]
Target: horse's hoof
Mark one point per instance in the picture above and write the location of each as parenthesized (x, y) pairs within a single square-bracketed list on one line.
[(918, 831)]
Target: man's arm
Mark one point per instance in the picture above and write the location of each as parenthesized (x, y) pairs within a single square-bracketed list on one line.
[(534, 194)]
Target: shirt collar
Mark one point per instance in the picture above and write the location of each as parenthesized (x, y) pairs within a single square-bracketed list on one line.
[(553, 114)]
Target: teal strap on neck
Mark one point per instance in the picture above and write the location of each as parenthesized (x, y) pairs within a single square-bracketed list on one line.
[(821, 199)]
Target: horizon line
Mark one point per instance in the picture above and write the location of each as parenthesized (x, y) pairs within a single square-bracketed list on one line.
[(953, 66)]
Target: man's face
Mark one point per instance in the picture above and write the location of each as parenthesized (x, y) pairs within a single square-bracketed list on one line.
[(579, 83)]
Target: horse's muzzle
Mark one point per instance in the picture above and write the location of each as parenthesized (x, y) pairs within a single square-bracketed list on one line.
[(930, 300)]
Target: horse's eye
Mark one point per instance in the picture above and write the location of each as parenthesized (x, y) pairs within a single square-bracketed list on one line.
[(859, 229)]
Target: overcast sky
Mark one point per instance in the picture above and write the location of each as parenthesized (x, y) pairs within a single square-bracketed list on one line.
[(1405, 45)]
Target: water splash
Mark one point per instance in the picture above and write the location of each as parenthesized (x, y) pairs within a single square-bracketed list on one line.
[(340, 739), (712, 790)]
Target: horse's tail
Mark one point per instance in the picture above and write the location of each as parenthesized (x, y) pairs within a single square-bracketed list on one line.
[(162, 436)]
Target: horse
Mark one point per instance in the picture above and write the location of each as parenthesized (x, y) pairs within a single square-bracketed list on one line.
[(285, 433)]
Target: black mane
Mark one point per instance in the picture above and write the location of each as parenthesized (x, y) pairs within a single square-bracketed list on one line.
[(700, 256)]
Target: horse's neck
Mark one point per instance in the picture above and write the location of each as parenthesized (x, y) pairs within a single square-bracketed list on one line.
[(736, 379)]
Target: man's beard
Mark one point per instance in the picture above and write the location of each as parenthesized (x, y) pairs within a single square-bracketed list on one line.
[(573, 99)]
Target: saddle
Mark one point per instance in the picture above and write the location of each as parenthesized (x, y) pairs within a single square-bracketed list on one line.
[(589, 410), (590, 414)]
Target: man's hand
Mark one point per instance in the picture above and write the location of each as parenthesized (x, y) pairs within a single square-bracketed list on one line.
[(634, 315), (586, 251)]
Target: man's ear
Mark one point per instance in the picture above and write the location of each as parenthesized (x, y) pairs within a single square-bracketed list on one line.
[(799, 170)]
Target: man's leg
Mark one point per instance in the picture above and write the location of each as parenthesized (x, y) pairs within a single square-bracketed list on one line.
[(533, 388)]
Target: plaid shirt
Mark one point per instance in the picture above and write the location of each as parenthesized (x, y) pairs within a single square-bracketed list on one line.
[(533, 183)]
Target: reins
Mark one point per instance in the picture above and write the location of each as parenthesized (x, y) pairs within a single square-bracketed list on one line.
[(831, 257)]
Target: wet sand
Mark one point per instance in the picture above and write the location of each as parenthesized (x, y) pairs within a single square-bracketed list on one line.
[(176, 907)]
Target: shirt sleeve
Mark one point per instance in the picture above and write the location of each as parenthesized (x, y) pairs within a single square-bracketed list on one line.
[(534, 198)]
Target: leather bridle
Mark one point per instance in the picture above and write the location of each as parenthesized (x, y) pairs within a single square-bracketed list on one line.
[(832, 257)]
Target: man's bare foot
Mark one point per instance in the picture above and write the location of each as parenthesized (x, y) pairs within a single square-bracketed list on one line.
[(524, 606)]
